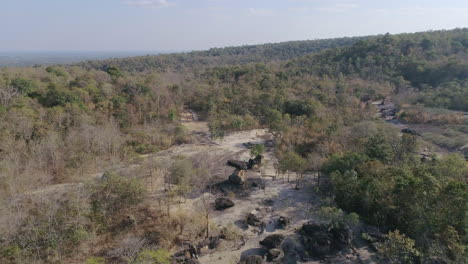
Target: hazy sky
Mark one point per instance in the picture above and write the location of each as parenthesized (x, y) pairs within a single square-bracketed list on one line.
[(155, 25)]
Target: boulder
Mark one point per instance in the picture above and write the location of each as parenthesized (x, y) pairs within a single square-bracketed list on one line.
[(272, 241), (237, 177), (250, 164), (240, 165), (253, 220), (258, 159), (273, 254), (254, 259), (223, 203), (283, 222), (409, 131)]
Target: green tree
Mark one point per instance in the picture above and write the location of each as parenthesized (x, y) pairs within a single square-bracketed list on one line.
[(257, 150), (377, 147), (399, 249)]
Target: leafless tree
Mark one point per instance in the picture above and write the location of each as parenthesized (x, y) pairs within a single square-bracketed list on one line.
[(7, 94)]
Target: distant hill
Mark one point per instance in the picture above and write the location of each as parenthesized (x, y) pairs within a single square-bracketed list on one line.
[(26, 59), (224, 56)]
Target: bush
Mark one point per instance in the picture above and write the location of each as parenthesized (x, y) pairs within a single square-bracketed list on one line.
[(257, 150)]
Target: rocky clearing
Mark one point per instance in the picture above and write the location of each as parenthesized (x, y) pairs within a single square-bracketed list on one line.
[(277, 198)]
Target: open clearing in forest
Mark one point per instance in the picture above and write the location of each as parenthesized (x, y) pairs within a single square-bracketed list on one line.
[(283, 199)]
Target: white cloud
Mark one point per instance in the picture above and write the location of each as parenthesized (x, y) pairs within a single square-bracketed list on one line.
[(261, 12), (147, 3)]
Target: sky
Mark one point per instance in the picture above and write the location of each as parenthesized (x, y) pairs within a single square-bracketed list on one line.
[(183, 25)]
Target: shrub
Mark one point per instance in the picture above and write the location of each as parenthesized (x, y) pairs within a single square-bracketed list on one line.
[(257, 150)]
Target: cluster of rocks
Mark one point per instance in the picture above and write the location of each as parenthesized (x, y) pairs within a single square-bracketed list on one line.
[(243, 165), (237, 182), (314, 241)]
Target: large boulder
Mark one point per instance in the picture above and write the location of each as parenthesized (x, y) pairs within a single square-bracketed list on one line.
[(223, 203), (257, 161), (253, 220), (237, 177), (240, 165), (254, 259), (272, 241)]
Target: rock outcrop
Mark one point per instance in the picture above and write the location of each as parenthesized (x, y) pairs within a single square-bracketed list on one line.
[(253, 220), (272, 241), (238, 164), (237, 177), (223, 203)]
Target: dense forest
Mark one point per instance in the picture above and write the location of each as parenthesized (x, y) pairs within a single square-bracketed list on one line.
[(60, 123)]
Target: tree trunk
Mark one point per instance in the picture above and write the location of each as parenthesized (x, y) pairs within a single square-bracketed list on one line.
[(318, 179), (207, 226)]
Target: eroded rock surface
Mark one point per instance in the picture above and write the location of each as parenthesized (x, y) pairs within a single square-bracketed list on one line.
[(272, 241), (223, 203)]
